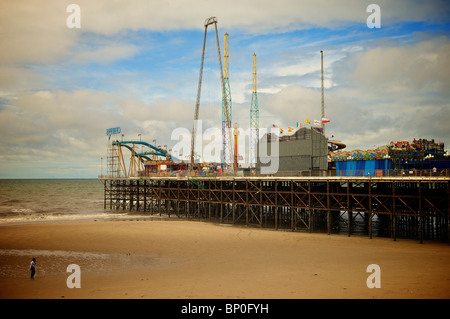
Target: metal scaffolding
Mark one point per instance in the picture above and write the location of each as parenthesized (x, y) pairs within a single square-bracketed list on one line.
[(254, 119), (226, 133), (404, 207)]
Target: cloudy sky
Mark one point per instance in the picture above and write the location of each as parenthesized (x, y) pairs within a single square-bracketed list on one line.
[(135, 64)]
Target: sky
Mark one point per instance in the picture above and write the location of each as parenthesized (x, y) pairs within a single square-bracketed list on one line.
[(135, 65)]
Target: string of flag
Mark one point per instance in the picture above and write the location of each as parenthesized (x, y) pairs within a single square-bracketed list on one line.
[(307, 121)]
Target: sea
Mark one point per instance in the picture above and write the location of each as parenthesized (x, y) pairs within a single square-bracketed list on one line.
[(25, 201)]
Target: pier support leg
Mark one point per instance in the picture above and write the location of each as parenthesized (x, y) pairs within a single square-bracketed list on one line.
[(448, 211), (145, 196), (104, 195), (349, 209), (394, 218), (420, 215), (309, 220), (370, 210), (137, 195), (168, 207), (209, 211), (110, 194), (328, 209), (311, 223)]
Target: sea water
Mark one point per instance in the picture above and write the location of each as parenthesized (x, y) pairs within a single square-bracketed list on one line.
[(53, 200)]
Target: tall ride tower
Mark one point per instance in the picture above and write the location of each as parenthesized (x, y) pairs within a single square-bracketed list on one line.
[(226, 108), (227, 135), (322, 95), (254, 120)]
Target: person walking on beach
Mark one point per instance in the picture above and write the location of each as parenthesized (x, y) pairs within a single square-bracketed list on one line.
[(33, 267)]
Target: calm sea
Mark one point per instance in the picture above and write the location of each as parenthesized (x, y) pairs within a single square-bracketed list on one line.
[(53, 200)]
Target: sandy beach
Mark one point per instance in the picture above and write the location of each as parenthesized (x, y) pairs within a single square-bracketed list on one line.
[(187, 259)]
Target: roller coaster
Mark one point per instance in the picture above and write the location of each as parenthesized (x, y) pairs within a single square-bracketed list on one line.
[(144, 155), (116, 162)]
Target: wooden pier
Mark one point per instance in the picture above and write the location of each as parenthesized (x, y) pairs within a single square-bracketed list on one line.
[(396, 207)]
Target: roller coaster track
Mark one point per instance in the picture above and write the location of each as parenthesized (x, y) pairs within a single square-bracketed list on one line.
[(145, 155), (135, 166)]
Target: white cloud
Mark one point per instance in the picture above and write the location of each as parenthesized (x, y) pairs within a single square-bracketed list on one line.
[(376, 91), (55, 121), (105, 54), (255, 16), (37, 32), (420, 66), (392, 92), (34, 32)]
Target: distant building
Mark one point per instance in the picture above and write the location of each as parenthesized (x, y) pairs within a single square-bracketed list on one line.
[(304, 150), (419, 157), (429, 145)]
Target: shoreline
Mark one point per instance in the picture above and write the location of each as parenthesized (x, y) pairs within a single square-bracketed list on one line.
[(77, 219), (190, 259)]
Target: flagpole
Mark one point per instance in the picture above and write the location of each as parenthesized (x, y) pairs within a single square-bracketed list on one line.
[(323, 102)]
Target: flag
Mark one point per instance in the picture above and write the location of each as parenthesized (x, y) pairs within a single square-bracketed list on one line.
[(290, 129), (299, 124), (324, 120), (317, 122), (281, 131), (307, 121)]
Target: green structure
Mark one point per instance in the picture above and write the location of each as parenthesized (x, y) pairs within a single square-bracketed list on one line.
[(226, 107), (254, 120)]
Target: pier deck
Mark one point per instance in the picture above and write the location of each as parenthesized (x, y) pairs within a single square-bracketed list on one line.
[(404, 207)]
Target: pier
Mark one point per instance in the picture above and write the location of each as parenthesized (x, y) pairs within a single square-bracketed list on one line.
[(397, 207)]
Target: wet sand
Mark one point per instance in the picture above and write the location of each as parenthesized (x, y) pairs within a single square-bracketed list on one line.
[(187, 259)]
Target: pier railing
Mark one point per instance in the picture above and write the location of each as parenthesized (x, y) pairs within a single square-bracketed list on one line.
[(311, 173)]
